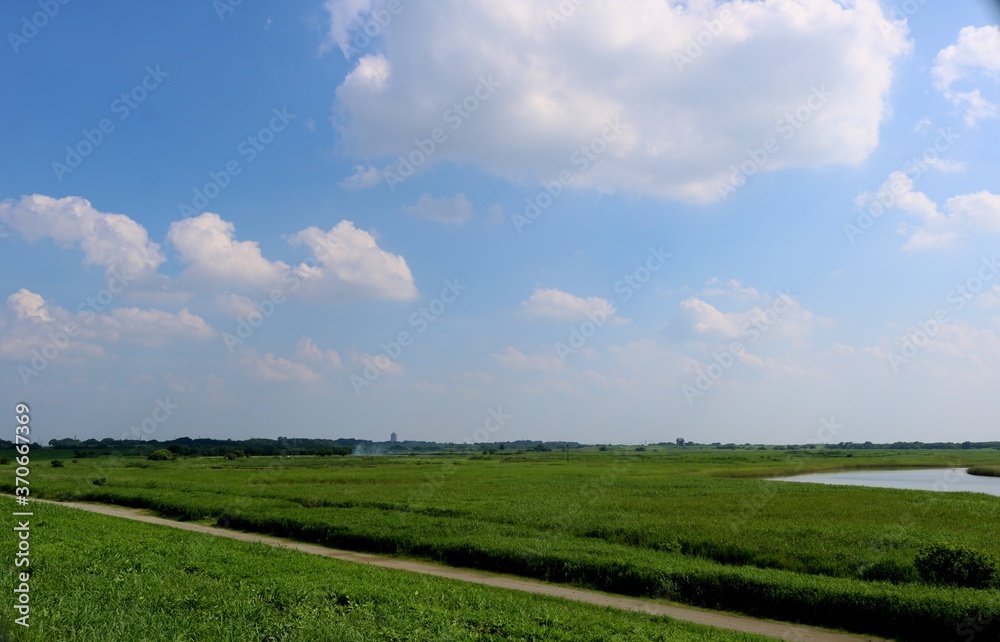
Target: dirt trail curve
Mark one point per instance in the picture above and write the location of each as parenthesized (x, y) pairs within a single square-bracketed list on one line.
[(780, 630)]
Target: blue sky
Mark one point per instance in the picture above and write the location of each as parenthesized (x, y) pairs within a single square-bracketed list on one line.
[(608, 223)]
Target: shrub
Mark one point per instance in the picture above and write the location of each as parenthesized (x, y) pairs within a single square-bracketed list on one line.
[(955, 566), (888, 570), (57, 463), (160, 455), (100, 482), (4, 461)]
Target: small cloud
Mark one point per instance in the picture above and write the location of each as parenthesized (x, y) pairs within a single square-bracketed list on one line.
[(936, 227), (380, 362), (272, 368), (235, 305), (450, 211), (733, 288), (977, 50), (307, 350), (553, 303), (28, 305), (514, 359), (943, 165), (362, 178)]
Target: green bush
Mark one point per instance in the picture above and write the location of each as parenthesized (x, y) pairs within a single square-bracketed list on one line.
[(161, 455), (888, 570), (956, 566), (57, 463)]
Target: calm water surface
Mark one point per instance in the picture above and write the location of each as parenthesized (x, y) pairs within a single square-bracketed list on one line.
[(939, 479)]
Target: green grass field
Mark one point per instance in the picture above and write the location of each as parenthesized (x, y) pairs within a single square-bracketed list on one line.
[(697, 526), (105, 579)]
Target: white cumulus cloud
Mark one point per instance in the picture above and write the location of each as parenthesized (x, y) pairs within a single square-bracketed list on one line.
[(975, 53), (214, 256), (517, 94), (553, 303), (352, 264), (112, 240), (937, 227)]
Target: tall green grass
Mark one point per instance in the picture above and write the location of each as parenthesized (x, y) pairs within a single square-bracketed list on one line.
[(985, 471), (104, 579)]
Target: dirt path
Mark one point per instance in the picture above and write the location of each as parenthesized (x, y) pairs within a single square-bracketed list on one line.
[(780, 630)]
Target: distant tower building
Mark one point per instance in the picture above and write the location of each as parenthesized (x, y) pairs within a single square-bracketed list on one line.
[(392, 437)]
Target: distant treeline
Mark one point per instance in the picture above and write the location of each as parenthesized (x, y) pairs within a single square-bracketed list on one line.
[(919, 445), (188, 447), (259, 447)]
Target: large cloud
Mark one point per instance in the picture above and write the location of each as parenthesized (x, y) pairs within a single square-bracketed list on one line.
[(111, 240), (690, 112)]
